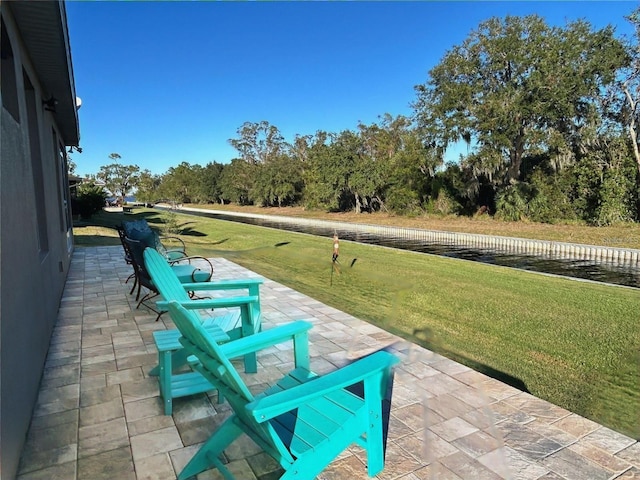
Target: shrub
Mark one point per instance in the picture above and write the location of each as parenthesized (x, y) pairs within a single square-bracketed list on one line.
[(511, 204), (445, 204), (550, 202), (615, 201), (403, 201), (89, 199)]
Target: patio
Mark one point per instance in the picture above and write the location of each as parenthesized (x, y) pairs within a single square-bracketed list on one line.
[(99, 414)]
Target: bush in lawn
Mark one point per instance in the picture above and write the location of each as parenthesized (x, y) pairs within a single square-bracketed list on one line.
[(90, 199)]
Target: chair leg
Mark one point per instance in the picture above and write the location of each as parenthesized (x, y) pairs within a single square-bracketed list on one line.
[(177, 359), (146, 297), (208, 454), (164, 379), (375, 389), (135, 283)]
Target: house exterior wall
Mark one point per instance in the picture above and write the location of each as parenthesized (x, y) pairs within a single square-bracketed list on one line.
[(35, 240)]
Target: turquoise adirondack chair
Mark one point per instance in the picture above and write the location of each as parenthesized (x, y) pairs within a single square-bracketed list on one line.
[(231, 326), (304, 421), (186, 273)]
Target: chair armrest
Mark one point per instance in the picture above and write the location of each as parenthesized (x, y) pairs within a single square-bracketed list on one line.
[(266, 408), (188, 258), (174, 255), (266, 338), (177, 239), (206, 303), (223, 284), (208, 269)]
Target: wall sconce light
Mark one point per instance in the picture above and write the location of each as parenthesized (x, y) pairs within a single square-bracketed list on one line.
[(73, 147), (50, 104)]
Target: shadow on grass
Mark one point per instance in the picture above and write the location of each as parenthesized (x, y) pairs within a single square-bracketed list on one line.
[(219, 241), (424, 338), (191, 232)]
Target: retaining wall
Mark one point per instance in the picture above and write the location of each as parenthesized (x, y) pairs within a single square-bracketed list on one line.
[(509, 245)]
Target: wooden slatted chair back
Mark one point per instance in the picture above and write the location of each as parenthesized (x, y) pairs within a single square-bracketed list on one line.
[(137, 256), (164, 278), (217, 368)]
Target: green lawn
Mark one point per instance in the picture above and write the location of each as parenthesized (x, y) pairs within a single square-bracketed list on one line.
[(576, 344)]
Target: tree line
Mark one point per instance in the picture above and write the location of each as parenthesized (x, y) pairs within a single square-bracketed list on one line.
[(549, 116)]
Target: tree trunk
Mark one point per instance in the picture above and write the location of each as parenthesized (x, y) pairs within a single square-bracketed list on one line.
[(634, 139), (381, 203), (358, 205), (633, 127), (515, 155), (513, 172)]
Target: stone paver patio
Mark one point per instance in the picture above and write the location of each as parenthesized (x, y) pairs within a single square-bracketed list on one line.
[(99, 414)]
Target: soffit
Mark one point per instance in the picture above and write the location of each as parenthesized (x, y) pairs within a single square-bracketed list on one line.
[(43, 28)]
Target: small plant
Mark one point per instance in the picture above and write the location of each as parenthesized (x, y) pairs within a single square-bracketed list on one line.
[(171, 225)]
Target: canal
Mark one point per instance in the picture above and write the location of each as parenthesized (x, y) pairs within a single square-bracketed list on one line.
[(606, 272)]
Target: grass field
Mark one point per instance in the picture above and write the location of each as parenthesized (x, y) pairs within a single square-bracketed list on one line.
[(576, 344)]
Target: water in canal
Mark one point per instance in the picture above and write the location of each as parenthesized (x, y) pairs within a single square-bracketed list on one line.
[(583, 269)]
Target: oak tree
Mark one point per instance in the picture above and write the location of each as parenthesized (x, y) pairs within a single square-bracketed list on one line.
[(515, 87)]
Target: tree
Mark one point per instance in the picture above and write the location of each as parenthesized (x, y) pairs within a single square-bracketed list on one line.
[(393, 164), (147, 187), (259, 142), (516, 87), (300, 147), (279, 182), (236, 181), (71, 165), (326, 171), (180, 184), (119, 179), (607, 181), (209, 183), (631, 88), (412, 169)]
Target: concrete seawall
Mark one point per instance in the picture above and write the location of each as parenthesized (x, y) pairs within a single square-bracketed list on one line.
[(629, 257)]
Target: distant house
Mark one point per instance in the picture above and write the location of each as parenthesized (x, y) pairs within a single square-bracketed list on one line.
[(74, 181), (39, 122)]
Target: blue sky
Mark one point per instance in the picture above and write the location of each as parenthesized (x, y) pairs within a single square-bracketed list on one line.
[(167, 82)]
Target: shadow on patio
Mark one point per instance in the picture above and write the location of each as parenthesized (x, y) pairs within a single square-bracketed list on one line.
[(99, 414)]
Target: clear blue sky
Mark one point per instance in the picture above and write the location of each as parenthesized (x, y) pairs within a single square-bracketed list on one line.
[(167, 82)]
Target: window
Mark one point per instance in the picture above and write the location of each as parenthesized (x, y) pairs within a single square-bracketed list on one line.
[(62, 179), (63, 169), (36, 164)]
